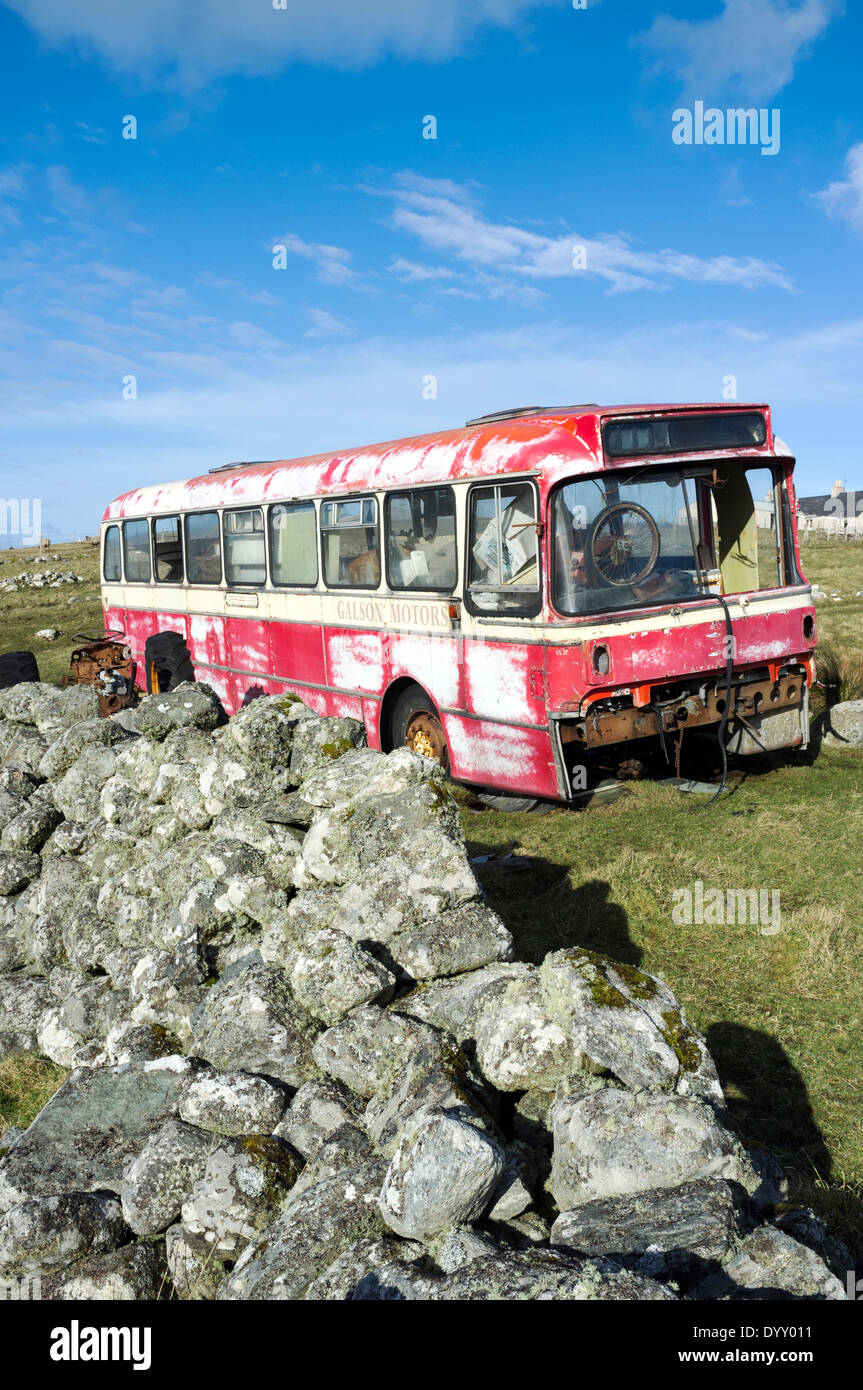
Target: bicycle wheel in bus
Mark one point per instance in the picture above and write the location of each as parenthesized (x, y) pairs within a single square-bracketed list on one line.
[(416, 725), (167, 661), (623, 544)]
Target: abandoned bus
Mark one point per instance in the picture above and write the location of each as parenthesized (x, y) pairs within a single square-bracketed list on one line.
[(542, 592)]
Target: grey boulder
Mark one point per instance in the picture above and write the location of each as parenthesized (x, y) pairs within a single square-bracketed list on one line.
[(770, 1264), (242, 1185), (159, 1179), (96, 1123), (250, 1021), (48, 1233), (613, 1143), (188, 706), (444, 1173)]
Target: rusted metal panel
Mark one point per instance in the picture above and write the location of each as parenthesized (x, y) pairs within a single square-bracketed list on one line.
[(105, 662), (601, 726)]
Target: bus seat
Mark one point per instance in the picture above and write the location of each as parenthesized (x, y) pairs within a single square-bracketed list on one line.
[(365, 569)]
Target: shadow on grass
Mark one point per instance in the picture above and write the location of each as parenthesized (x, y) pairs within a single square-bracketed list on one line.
[(768, 1103), (544, 913), (768, 1107)]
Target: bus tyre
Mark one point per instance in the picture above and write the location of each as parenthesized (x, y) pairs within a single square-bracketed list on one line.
[(416, 725), (168, 662), (499, 801), (17, 667)]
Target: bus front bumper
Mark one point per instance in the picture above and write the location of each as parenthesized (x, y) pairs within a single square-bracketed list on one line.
[(752, 703)]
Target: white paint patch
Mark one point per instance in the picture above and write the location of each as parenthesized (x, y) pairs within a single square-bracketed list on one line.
[(497, 680), (207, 637), (220, 681), (251, 654), (486, 751), (432, 662), (355, 661), (760, 649), (314, 699)]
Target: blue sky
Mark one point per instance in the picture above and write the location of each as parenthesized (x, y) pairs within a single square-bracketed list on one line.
[(409, 258)]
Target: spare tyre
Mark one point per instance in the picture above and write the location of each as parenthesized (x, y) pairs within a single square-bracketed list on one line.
[(17, 667), (167, 662)]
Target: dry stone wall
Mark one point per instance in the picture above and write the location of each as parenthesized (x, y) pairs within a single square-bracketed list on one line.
[(303, 1061)]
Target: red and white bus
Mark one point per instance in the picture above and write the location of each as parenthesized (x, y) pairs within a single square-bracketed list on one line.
[(540, 592)]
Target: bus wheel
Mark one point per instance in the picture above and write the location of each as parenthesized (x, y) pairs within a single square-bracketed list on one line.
[(168, 662), (416, 725), (499, 801)]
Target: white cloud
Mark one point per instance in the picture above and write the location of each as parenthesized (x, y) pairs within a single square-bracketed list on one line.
[(323, 324), (168, 297), (833, 337), (845, 197), (750, 49), (68, 197), (333, 262), (188, 418), (200, 41), (93, 135), (12, 189), (411, 271), (448, 219)]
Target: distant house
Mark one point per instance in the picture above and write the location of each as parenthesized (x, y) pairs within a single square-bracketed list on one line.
[(834, 512), (836, 502)]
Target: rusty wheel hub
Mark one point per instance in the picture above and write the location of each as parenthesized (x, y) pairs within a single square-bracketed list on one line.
[(425, 735)]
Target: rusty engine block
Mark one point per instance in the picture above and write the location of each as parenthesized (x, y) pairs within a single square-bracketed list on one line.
[(105, 662)]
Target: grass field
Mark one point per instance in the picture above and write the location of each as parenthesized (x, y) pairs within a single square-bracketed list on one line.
[(783, 1014), (28, 611)]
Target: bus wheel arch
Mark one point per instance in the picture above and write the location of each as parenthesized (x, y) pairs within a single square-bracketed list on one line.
[(410, 718)]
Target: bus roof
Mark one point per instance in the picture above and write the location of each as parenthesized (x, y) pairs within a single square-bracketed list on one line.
[(557, 442)]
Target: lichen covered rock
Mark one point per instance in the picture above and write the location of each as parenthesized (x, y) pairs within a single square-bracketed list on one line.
[(303, 1062)]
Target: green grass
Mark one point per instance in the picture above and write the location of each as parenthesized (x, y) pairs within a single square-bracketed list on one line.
[(836, 565), (783, 1014), (26, 1084), (26, 612)]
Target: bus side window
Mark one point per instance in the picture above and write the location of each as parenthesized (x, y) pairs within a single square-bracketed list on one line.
[(111, 569), (203, 548), (293, 543), (136, 552), (504, 548), (351, 547), (245, 555), (167, 550), (421, 550)]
